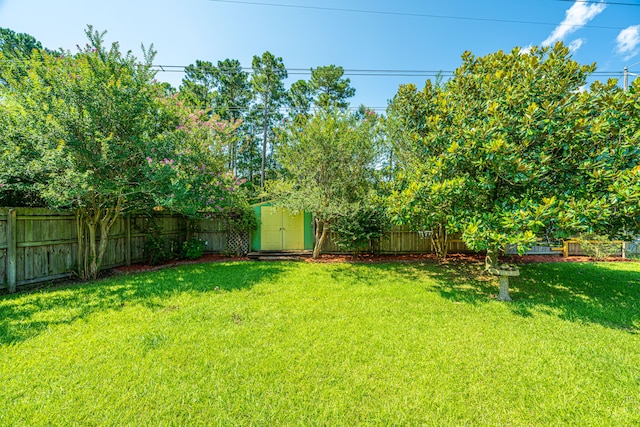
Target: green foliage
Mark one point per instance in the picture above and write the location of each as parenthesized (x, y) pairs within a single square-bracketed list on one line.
[(598, 247), (15, 47), (159, 249), (198, 85), (330, 88), (511, 149), (267, 82), (187, 165), (193, 248), (243, 220), (359, 228), (328, 165), (224, 91), (94, 132), (299, 98)]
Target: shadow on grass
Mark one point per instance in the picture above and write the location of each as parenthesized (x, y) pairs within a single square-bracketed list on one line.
[(579, 292), (24, 316)]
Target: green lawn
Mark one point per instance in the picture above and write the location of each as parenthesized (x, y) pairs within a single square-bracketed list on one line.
[(326, 344)]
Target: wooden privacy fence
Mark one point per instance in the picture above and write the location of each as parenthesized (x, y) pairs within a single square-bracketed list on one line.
[(399, 240), (38, 245)]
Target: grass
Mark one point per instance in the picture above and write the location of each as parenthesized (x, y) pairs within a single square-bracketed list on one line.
[(317, 344)]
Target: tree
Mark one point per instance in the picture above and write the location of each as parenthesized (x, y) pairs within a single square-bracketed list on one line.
[(14, 47), (267, 81), (17, 45), (517, 118), (426, 196), (222, 90), (514, 135), (85, 127), (332, 91), (232, 94), (328, 163), (299, 98), (231, 102), (606, 191), (187, 168), (198, 85)]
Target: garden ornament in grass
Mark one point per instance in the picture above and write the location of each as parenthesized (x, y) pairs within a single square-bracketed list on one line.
[(504, 271)]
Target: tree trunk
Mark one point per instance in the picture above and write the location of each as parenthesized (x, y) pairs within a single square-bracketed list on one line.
[(90, 252), (92, 271), (265, 128), (80, 223), (491, 259), (321, 236), (440, 241)]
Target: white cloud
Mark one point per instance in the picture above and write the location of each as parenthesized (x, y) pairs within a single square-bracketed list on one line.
[(526, 50), (576, 17), (628, 42), (575, 45)]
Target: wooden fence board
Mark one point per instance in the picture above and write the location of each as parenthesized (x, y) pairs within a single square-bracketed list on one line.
[(3, 247)]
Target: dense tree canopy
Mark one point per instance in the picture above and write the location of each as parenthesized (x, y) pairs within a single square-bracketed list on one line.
[(328, 163), (330, 88), (87, 132), (512, 149)]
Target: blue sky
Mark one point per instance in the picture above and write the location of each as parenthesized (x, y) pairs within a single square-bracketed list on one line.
[(371, 35)]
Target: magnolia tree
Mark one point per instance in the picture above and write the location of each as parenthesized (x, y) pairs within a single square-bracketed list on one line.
[(328, 163), (512, 149), (93, 132)]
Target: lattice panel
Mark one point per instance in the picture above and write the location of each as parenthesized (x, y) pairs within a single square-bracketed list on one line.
[(238, 242)]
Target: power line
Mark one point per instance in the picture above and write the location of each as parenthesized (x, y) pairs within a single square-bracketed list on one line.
[(357, 72), (307, 71), (420, 15), (602, 2)]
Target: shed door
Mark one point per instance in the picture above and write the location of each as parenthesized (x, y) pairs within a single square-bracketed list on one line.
[(280, 230)]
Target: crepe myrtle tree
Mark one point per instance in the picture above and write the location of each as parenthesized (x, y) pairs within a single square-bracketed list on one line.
[(187, 165), (83, 129)]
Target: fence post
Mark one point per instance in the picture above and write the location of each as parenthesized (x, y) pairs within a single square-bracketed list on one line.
[(127, 243), (565, 248), (12, 247), (624, 249)]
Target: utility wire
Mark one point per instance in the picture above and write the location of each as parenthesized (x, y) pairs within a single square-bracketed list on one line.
[(420, 15), (353, 72), (307, 71), (357, 72), (602, 2)]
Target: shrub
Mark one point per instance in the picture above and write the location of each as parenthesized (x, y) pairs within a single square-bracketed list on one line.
[(356, 229), (193, 248), (598, 247), (243, 220), (159, 250)]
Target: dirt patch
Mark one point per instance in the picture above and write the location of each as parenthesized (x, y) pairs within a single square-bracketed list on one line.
[(455, 258), (526, 259), (207, 258), (367, 258)]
